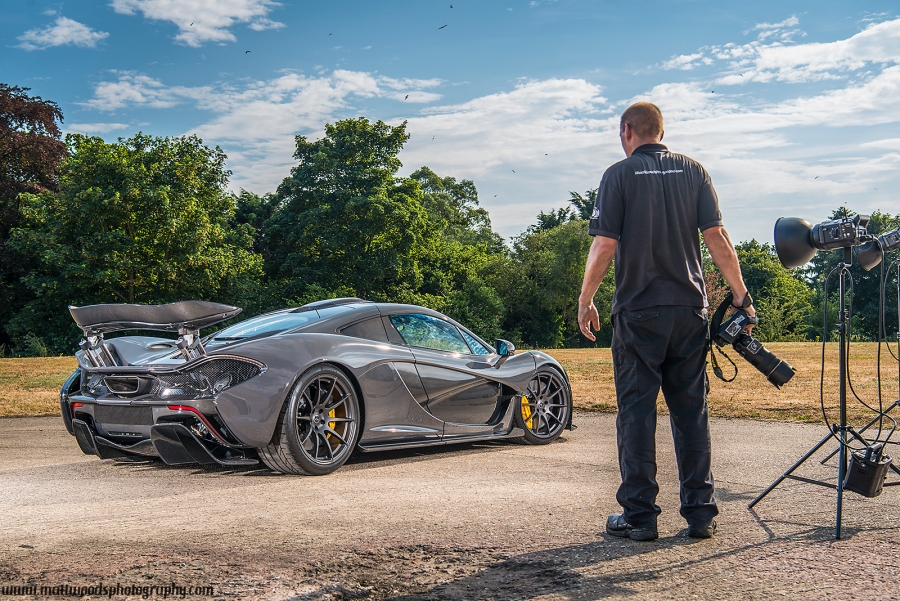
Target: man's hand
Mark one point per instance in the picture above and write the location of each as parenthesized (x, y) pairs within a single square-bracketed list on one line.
[(588, 319), (599, 259), (724, 256), (750, 311)]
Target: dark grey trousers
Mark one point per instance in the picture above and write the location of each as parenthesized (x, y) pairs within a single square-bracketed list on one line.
[(662, 347)]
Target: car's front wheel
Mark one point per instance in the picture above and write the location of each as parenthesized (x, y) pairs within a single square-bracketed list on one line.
[(545, 408), (318, 427)]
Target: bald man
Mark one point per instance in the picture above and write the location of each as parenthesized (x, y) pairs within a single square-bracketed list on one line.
[(649, 209)]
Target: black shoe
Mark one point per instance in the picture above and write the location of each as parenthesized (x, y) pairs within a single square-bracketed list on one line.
[(702, 530), (617, 526)]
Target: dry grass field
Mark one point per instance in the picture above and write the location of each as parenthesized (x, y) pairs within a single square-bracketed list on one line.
[(750, 395), (31, 386)]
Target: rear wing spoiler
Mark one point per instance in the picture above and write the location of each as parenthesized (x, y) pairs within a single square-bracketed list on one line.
[(184, 317)]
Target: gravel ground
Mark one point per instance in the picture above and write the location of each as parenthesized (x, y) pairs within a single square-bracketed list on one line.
[(485, 521)]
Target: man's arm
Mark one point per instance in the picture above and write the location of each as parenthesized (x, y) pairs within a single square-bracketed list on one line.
[(603, 250), (725, 258)]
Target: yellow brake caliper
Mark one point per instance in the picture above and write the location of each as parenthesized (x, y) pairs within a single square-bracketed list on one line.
[(526, 411), (331, 425)]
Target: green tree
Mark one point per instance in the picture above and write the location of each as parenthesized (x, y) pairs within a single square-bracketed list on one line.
[(584, 204), (453, 207), (252, 209), (457, 244), (548, 221), (142, 220), (866, 285), (30, 150), (540, 284), (345, 222), (782, 299)]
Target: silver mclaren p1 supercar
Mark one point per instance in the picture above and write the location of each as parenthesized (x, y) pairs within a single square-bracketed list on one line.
[(301, 388)]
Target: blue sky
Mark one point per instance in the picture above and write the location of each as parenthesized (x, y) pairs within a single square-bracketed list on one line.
[(794, 108)]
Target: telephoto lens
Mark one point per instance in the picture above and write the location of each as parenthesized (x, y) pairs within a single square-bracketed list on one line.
[(776, 371)]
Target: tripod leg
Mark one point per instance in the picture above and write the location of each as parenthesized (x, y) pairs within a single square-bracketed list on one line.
[(863, 429), (789, 471), (842, 470)]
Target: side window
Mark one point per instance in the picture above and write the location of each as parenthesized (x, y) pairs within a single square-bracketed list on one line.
[(370, 329), (430, 332), (477, 347)]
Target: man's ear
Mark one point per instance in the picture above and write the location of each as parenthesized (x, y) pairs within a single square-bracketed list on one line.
[(661, 134)]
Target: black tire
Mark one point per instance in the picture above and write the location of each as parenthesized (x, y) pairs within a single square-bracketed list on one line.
[(543, 412), (318, 426)]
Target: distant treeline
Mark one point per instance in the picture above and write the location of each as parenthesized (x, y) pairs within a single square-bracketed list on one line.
[(150, 220)]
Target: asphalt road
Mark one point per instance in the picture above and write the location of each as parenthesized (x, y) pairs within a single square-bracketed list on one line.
[(486, 521)]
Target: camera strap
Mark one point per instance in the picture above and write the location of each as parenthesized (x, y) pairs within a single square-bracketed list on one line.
[(714, 325), (715, 363)]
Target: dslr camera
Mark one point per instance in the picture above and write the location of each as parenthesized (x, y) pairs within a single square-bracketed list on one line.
[(776, 371)]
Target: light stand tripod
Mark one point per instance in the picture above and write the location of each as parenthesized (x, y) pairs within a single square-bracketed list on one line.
[(840, 430), (894, 404)]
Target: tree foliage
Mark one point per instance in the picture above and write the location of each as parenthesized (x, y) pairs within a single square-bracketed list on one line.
[(781, 298), (142, 220), (540, 283), (149, 220), (457, 246), (30, 149), (866, 288), (345, 221), (583, 203)]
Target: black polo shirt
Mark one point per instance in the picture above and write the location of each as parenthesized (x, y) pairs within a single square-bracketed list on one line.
[(654, 203)]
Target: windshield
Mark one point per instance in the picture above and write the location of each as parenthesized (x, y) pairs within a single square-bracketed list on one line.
[(265, 324)]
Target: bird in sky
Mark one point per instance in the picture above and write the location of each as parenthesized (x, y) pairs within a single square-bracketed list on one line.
[(741, 74), (246, 52), (545, 154), (495, 196), (432, 138), (712, 91), (407, 96), (513, 170), (816, 177), (442, 26), (330, 34), (192, 24), (451, 6)]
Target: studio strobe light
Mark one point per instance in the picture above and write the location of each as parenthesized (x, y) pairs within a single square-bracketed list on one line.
[(796, 243), (871, 253)]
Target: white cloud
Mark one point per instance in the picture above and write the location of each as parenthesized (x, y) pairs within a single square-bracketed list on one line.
[(94, 128), (526, 147), (888, 143), (201, 21), (136, 90), (780, 31), (784, 61), (409, 84), (685, 62), (257, 122), (877, 44), (789, 22), (63, 32)]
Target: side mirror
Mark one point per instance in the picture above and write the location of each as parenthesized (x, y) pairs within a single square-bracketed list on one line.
[(505, 349)]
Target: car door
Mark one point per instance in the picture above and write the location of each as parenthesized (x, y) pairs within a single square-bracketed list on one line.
[(452, 370)]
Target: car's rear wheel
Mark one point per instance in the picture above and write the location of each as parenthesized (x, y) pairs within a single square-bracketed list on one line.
[(318, 427), (545, 408)]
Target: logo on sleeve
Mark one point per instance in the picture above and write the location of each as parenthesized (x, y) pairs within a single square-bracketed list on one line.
[(596, 213)]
